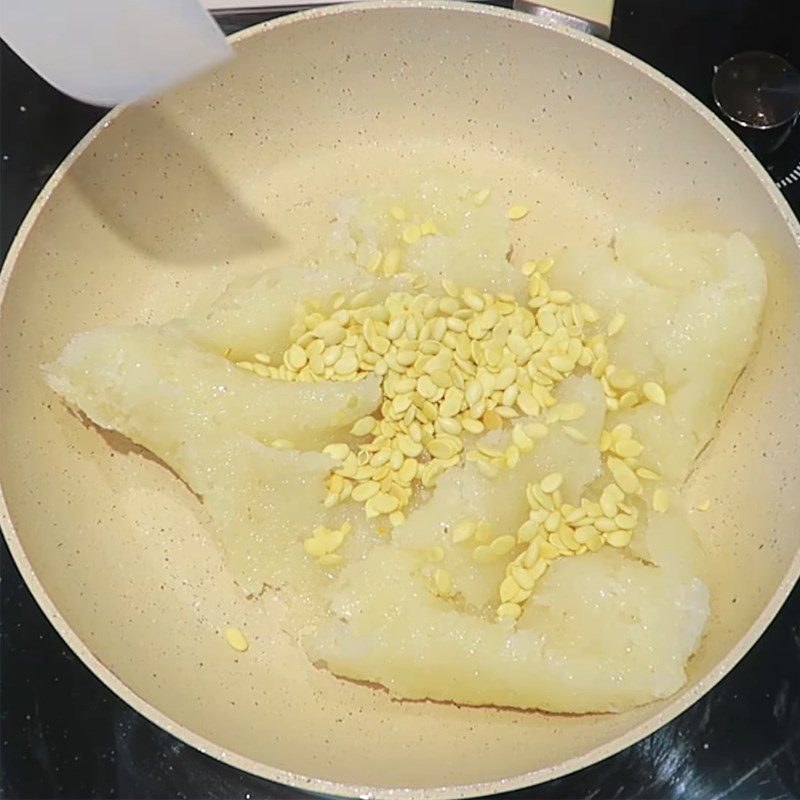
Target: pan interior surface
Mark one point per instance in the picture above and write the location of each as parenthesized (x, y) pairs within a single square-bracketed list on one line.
[(240, 171)]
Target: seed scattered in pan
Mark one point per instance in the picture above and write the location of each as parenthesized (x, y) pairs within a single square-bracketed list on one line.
[(655, 393), (575, 434), (236, 639), (551, 482), (616, 324), (444, 582), (511, 610), (661, 500)]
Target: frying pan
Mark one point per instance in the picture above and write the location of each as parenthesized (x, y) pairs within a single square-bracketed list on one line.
[(161, 205)]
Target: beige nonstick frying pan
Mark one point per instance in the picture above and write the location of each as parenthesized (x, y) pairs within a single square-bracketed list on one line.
[(163, 204)]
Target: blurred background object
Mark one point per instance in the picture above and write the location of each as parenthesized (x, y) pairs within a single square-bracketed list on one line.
[(107, 53)]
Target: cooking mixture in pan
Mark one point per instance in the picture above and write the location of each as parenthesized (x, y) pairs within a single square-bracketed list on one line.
[(460, 463)]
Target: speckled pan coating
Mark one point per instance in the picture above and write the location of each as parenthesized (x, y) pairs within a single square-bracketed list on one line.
[(160, 205)]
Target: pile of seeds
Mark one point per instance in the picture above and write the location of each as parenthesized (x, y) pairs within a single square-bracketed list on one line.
[(461, 364), (324, 542), (465, 362), (555, 529)]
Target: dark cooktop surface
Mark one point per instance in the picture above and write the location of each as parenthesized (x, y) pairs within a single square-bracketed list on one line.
[(63, 734)]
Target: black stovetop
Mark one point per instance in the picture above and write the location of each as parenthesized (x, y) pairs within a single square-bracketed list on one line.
[(63, 734)]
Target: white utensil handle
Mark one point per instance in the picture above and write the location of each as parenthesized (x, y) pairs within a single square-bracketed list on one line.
[(113, 51), (590, 16)]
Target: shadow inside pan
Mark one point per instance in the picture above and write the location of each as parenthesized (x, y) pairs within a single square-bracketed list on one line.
[(133, 191)]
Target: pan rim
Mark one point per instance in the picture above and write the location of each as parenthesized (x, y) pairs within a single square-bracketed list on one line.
[(332, 788)]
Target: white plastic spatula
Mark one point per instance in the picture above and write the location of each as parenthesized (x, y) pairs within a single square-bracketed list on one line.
[(113, 51)]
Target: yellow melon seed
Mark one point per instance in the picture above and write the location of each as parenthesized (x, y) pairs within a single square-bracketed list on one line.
[(528, 404), (512, 456), (616, 323), (521, 439), (532, 554), (628, 448), (561, 363), (502, 545), (618, 538), (608, 501), (511, 610), (363, 426), (572, 411), (450, 288), (575, 434), (464, 530), (661, 501), (625, 521), (624, 476), (315, 547), (398, 212), (365, 490), (473, 299), (397, 518), (236, 639), (621, 379), (441, 448), (509, 589), (492, 421), (482, 554), (484, 533), (518, 212), (391, 262), (655, 393), (374, 262), (537, 430), (585, 533), (297, 357), (385, 503), (589, 313), (628, 400), (472, 425), (337, 451), (621, 431), (551, 482), (444, 582), (523, 577), (527, 531)]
